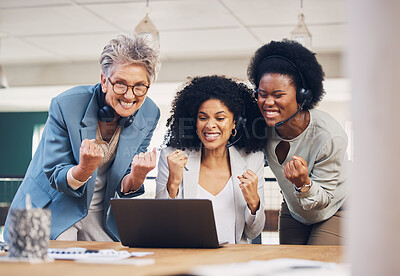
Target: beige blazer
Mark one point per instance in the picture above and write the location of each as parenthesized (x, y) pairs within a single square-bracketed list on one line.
[(247, 226)]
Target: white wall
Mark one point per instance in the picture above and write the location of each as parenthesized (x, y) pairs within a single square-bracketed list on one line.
[(374, 64)]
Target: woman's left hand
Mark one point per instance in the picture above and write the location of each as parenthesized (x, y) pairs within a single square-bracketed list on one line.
[(141, 165), (248, 185), (296, 171)]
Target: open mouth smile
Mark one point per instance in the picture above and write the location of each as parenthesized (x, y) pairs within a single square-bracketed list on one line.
[(211, 136), (125, 104)]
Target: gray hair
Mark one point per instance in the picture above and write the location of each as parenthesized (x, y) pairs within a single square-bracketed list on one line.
[(132, 50)]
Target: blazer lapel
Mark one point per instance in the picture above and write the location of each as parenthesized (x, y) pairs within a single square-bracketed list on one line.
[(191, 174), (88, 125), (87, 130), (238, 167)]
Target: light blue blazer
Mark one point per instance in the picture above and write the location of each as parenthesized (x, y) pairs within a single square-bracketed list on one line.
[(246, 225), (73, 118)]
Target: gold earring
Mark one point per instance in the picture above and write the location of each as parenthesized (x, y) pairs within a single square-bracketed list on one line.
[(234, 132)]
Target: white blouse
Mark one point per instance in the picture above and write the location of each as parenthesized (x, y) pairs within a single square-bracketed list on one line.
[(224, 211)]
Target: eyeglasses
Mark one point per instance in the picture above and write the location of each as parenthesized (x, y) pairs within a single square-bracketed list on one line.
[(120, 88)]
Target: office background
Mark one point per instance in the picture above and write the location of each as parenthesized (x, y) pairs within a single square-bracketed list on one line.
[(47, 46), (57, 42)]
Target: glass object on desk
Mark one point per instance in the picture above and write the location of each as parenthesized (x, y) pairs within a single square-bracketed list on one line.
[(29, 232)]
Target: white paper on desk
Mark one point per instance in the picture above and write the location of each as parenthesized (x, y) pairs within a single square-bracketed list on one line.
[(78, 253), (275, 267)]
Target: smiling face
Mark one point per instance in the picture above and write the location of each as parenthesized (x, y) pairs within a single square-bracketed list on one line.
[(276, 98), (126, 104), (214, 124)]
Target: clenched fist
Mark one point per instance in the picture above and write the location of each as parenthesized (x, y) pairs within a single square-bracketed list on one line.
[(176, 162), (90, 156), (248, 185), (141, 165), (296, 171)]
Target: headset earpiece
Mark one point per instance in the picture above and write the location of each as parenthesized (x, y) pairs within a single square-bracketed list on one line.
[(240, 122), (105, 112), (256, 93), (304, 96), (125, 121)]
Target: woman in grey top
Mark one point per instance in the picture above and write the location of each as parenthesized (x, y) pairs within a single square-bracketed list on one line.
[(306, 148)]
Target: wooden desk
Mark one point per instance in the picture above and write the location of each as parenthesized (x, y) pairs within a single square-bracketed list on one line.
[(169, 261)]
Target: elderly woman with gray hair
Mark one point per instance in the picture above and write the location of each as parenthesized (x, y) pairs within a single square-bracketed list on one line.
[(94, 145)]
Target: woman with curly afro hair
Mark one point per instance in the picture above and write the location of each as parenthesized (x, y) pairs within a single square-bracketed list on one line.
[(306, 147), (213, 153)]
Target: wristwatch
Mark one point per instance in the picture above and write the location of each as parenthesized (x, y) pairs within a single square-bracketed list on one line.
[(302, 186)]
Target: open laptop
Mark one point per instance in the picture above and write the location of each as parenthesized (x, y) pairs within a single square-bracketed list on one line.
[(165, 223)]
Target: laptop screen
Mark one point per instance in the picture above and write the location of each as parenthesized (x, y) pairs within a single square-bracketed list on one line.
[(165, 223)]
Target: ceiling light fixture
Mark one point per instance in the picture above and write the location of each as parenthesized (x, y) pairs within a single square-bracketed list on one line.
[(147, 29), (301, 33)]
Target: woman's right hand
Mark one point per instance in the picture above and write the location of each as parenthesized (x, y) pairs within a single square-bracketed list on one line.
[(176, 162), (90, 156)]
